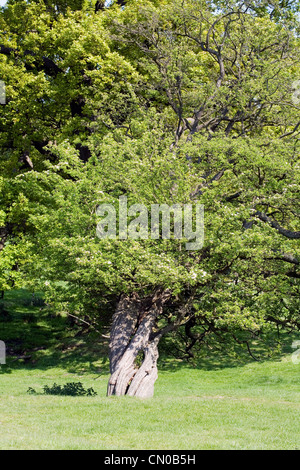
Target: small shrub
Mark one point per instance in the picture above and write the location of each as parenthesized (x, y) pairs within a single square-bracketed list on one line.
[(71, 389)]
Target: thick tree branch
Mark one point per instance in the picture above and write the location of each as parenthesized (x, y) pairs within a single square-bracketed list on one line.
[(285, 232), (288, 257)]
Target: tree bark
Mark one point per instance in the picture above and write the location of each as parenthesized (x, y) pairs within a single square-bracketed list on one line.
[(283, 231), (132, 333)]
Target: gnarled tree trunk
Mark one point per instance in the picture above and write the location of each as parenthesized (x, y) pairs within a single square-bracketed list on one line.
[(132, 334)]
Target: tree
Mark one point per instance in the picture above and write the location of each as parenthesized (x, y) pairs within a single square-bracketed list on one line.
[(245, 276), (52, 59), (180, 105)]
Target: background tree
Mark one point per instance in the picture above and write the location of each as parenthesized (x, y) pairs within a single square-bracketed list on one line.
[(52, 61)]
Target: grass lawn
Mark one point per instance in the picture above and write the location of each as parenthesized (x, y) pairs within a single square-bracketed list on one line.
[(252, 405)]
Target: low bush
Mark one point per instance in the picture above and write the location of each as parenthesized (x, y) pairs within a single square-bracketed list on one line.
[(70, 388)]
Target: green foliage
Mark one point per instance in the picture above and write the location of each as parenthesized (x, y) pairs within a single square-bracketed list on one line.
[(70, 388), (164, 102)]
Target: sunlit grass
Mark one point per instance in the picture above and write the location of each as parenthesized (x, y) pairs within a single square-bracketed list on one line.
[(252, 407), (219, 404)]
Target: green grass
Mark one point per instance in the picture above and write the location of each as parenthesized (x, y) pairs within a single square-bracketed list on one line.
[(252, 407), (216, 405)]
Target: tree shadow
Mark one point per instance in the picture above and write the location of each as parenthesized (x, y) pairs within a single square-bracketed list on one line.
[(214, 355), (37, 339)]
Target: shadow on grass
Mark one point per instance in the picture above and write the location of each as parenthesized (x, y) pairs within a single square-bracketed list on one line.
[(228, 353), (35, 338)]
